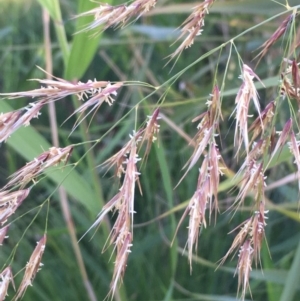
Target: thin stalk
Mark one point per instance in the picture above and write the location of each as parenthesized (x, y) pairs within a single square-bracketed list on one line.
[(83, 128), (60, 31), (62, 193)]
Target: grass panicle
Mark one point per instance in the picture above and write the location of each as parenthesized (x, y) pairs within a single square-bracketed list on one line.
[(265, 126)]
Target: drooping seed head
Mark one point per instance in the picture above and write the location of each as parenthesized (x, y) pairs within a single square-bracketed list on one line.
[(192, 26), (106, 15), (32, 267), (239, 239), (261, 122), (32, 169), (151, 130), (12, 121), (258, 230), (246, 93), (244, 268), (119, 158), (283, 137), (9, 203), (6, 277), (276, 35), (3, 232)]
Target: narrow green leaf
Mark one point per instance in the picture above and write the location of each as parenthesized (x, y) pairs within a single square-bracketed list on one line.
[(53, 8), (49, 6), (167, 184), (272, 289), (84, 45), (292, 279)]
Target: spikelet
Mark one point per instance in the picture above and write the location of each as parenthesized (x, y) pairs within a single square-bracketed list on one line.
[(106, 15), (32, 267)]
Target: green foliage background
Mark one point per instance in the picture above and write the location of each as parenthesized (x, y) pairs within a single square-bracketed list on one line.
[(155, 270)]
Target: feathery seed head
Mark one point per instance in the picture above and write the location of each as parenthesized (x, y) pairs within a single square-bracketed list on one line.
[(7, 123), (58, 88), (9, 203), (253, 181), (57, 155), (3, 232), (239, 239), (206, 195), (283, 137), (207, 128), (258, 230), (151, 130), (260, 123), (52, 157), (192, 26), (275, 36), (6, 277), (246, 92), (119, 158), (123, 202), (123, 245), (214, 173), (93, 92), (196, 210), (10, 122), (258, 149), (290, 81), (106, 16), (244, 267), (32, 267), (31, 111)]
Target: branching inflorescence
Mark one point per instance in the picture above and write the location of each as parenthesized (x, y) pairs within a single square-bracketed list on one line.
[(257, 143)]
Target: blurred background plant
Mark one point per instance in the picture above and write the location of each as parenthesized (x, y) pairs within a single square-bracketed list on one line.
[(155, 270)]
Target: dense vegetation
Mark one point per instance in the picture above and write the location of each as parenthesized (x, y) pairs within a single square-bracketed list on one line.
[(252, 40)]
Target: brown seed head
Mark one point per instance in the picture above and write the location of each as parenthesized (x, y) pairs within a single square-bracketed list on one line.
[(9, 203), (123, 245), (123, 204), (106, 16), (283, 137), (12, 121), (192, 26), (253, 181), (7, 122), (261, 122), (244, 268), (3, 232), (276, 35), (95, 100), (6, 277), (258, 231), (206, 195), (58, 88), (240, 238), (290, 81), (32, 169), (119, 158), (151, 130), (32, 267), (246, 92)]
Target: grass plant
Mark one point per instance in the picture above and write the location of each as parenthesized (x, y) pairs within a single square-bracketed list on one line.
[(148, 172)]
